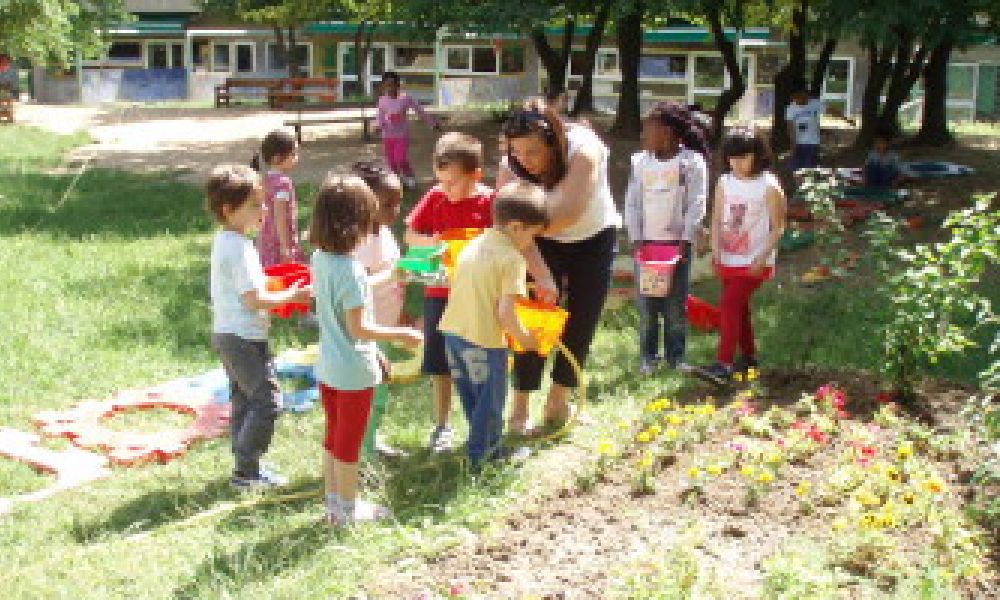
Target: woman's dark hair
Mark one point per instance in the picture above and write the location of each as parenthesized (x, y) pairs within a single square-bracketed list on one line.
[(740, 141), (391, 76), (345, 210), (386, 186), (688, 128), (277, 144), (537, 118)]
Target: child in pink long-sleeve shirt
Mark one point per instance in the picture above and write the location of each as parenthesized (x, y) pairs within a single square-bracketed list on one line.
[(393, 107)]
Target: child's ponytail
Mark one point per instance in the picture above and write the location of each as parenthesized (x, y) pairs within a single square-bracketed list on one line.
[(255, 162)]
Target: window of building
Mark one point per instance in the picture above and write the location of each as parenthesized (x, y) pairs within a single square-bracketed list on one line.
[(419, 58), (276, 61), (164, 55), (221, 58), (125, 53), (663, 66), (484, 59), (246, 62), (458, 59)]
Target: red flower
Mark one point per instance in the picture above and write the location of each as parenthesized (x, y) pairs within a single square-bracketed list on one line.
[(843, 414), (885, 397), (817, 436), (868, 451)]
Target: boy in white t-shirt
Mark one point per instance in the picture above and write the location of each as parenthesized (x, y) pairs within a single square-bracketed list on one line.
[(240, 301), (803, 116)]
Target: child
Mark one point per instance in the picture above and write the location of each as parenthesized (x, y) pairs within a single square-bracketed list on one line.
[(459, 200), (350, 365), (393, 107), (882, 169), (279, 235), (802, 117), (378, 253), (748, 218), (665, 205), (239, 321), (491, 274)]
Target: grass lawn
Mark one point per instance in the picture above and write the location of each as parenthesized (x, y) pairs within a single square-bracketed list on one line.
[(104, 287)]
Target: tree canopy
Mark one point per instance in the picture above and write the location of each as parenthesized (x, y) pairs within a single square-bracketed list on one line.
[(52, 30)]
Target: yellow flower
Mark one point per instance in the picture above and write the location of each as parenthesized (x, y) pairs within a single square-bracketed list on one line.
[(934, 485), (738, 376), (747, 470), (654, 430), (671, 433), (624, 425), (752, 374), (646, 462), (765, 477), (644, 437), (772, 458), (868, 521), (867, 498), (715, 469), (675, 420), (905, 450), (694, 472), (803, 489), (605, 447), (839, 524)]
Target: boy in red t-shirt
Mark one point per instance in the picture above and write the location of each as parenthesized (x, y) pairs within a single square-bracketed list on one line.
[(457, 201)]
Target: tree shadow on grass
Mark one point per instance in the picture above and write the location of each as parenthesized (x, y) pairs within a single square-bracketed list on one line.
[(256, 561), (101, 202), (162, 507)]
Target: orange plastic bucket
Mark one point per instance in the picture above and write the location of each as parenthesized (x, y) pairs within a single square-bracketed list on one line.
[(283, 276), (457, 239), (543, 320)]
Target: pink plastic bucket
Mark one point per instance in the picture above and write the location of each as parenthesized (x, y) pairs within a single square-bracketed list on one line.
[(656, 264)]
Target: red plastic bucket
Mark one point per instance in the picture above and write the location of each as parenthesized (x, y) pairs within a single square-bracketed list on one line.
[(283, 276)]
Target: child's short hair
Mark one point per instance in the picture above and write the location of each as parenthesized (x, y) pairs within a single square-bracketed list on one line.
[(522, 202), (384, 183), (229, 186), (344, 213), (454, 148), (740, 141), (277, 144)]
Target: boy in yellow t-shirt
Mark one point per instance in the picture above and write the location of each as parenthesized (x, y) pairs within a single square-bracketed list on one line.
[(490, 275)]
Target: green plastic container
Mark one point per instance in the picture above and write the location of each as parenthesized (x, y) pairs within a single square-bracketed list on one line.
[(422, 259)]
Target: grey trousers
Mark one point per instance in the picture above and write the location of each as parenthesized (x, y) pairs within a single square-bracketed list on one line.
[(254, 395)]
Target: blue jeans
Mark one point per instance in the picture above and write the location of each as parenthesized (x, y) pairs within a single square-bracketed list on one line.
[(672, 310), (480, 376), (804, 156), (880, 175)]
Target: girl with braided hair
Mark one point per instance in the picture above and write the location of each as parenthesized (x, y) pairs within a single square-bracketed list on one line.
[(664, 207)]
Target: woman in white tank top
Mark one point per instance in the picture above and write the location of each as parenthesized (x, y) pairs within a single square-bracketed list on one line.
[(748, 219), (571, 163)]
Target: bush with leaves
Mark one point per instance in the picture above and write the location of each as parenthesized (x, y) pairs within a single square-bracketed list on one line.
[(935, 292)]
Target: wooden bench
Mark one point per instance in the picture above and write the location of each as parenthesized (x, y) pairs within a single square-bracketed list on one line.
[(364, 118), (247, 88), (304, 91)]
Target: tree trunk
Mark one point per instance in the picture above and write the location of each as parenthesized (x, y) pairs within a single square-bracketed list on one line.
[(280, 48), (934, 121), (790, 75), (737, 86), (879, 60), (294, 59), (554, 61), (628, 120), (905, 76), (362, 46), (819, 70), (585, 95)]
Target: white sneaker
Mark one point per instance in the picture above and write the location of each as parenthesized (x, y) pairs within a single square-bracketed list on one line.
[(442, 439), (369, 511)]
